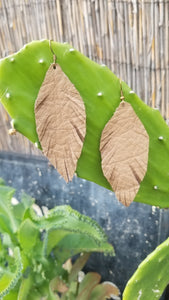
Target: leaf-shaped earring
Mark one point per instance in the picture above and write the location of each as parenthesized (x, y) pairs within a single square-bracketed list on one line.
[(124, 150), (60, 120)]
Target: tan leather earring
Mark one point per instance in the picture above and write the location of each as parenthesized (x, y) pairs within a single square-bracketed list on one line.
[(124, 150), (60, 120)]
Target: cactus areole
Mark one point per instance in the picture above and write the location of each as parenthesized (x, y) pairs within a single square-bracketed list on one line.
[(21, 76)]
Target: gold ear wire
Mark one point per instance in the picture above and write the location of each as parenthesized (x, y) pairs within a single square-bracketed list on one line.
[(121, 91), (54, 55)]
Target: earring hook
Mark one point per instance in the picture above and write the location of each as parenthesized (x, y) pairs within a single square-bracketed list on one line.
[(54, 55), (121, 91)]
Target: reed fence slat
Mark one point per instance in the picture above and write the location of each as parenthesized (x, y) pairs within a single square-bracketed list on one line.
[(130, 36)]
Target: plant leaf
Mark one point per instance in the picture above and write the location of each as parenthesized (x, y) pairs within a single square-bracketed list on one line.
[(124, 150), (9, 279), (65, 225), (20, 209), (2, 182), (13, 295), (86, 286), (25, 287), (6, 194), (5, 224), (78, 266), (73, 243), (57, 284), (64, 217), (61, 121), (71, 233), (28, 235), (106, 290)]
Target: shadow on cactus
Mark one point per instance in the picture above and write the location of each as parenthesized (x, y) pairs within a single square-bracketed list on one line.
[(35, 245)]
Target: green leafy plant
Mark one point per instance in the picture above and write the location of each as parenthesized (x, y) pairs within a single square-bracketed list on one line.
[(81, 286), (34, 247), (21, 76)]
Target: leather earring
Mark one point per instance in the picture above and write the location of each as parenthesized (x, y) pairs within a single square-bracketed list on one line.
[(60, 120), (124, 150)]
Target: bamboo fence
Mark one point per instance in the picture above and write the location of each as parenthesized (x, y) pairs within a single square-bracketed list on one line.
[(130, 36)]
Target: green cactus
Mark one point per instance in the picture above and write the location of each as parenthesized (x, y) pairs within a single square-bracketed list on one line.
[(151, 277), (33, 249), (21, 76)]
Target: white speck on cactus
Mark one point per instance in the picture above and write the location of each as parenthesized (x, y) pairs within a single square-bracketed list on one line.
[(71, 50), (155, 187), (12, 123), (99, 94), (25, 46), (41, 61), (156, 291), (160, 138), (7, 95), (131, 92), (139, 295), (12, 59)]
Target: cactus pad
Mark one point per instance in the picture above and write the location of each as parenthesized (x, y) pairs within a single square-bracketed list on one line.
[(21, 76), (151, 277)]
